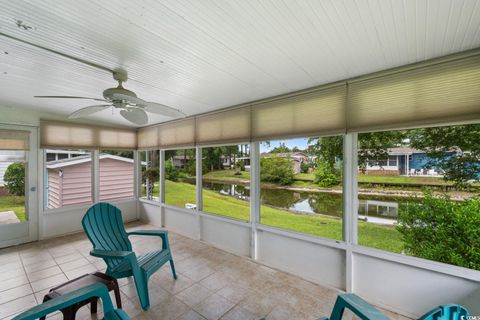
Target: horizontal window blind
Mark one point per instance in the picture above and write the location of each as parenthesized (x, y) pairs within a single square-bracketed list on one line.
[(222, 127), (177, 133), (430, 95), (55, 134), (319, 112), (147, 138), (14, 140)]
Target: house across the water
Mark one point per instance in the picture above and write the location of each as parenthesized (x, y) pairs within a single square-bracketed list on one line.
[(406, 162)]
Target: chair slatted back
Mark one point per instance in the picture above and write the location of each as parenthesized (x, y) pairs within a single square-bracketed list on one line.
[(103, 225)]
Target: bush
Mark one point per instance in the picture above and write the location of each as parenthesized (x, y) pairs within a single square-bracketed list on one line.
[(171, 173), (442, 230), (305, 167), (240, 165), (14, 178), (276, 170), (325, 175)]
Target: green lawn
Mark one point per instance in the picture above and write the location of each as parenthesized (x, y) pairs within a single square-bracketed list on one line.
[(376, 236), (227, 175), (15, 204), (363, 178)]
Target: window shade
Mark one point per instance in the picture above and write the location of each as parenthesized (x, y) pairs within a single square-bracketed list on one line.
[(14, 140), (147, 138), (222, 127), (315, 113), (81, 136), (177, 133), (435, 94)]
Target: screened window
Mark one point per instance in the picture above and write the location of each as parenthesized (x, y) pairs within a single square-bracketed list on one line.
[(116, 175), (301, 185), (226, 181), (180, 168), (68, 181), (427, 207), (150, 162)]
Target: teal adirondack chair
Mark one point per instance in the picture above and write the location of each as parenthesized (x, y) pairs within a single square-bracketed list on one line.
[(366, 311), (103, 225), (95, 290)]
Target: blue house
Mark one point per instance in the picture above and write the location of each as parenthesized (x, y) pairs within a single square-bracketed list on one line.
[(405, 161)]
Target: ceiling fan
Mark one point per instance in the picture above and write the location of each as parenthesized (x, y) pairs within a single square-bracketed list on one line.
[(131, 108)]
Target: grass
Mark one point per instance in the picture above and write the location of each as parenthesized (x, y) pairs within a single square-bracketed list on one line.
[(376, 236), (15, 204), (227, 175)]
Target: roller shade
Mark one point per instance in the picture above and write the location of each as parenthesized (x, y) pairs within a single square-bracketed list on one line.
[(14, 140), (223, 127), (147, 138), (319, 112), (55, 134), (177, 133), (430, 95)]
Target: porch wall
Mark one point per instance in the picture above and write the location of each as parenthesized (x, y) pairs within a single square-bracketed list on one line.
[(405, 285)]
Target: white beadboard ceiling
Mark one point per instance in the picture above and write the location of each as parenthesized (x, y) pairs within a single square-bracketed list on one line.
[(202, 55)]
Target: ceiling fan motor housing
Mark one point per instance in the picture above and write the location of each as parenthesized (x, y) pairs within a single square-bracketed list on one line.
[(108, 93)]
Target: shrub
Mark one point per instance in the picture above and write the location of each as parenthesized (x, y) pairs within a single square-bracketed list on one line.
[(276, 170), (305, 167), (14, 178), (240, 165), (442, 230), (171, 173), (326, 175)]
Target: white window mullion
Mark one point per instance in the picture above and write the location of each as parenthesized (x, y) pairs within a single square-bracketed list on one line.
[(95, 176), (198, 189), (350, 202), (254, 195)]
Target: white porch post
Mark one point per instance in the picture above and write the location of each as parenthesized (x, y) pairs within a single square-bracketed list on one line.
[(95, 176), (198, 189), (254, 196), (161, 185), (350, 202)]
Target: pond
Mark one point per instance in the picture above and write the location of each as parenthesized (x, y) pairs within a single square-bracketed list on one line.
[(374, 208)]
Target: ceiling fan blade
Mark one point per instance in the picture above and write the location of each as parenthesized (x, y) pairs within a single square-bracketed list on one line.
[(163, 110), (130, 99), (135, 115), (70, 97), (88, 111)]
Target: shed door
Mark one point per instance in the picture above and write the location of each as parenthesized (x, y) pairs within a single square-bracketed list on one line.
[(18, 185)]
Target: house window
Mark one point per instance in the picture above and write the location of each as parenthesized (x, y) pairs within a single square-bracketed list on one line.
[(68, 182), (438, 217), (392, 161), (226, 181), (301, 185), (116, 175), (150, 162), (180, 168)]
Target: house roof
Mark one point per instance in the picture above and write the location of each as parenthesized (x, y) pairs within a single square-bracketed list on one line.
[(83, 159), (403, 151)]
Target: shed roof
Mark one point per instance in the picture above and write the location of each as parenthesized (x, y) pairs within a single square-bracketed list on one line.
[(83, 159)]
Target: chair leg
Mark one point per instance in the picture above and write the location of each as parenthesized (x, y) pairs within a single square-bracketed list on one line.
[(142, 290), (93, 306), (118, 299), (172, 266)]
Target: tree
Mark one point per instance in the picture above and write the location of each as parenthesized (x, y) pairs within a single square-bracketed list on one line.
[(453, 149), (276, 170), (443, 230), (14, 178), (282, 148), (171, 173), (326, 175)]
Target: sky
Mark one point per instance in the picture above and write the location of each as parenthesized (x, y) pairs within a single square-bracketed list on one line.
[(300, 143)]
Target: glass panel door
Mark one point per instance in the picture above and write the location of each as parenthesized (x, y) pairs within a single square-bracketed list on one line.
[(18, 196)]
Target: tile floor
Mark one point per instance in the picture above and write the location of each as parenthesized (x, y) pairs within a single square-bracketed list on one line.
[(212, 284)]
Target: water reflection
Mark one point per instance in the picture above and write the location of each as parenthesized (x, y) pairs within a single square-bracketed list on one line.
[(376, 208)]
